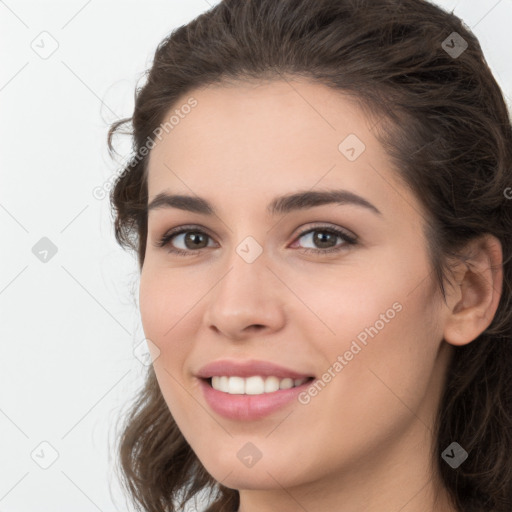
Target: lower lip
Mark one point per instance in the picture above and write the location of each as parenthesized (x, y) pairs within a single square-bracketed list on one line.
[(248, 407)]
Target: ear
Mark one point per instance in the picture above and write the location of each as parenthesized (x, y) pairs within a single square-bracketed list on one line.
[(475, 295)]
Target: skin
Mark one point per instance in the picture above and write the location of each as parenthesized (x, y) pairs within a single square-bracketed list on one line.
[(363, 443)]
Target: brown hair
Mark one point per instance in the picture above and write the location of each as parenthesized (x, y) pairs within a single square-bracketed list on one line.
[(442, 119)]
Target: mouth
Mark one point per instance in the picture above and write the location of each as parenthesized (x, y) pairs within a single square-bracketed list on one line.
[(250, 390), (254, 385)]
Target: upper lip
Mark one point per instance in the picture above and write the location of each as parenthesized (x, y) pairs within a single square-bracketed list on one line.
[(247, 369)]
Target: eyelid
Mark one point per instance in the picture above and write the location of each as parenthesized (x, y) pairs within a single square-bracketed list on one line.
[(317, 226), (349, 238), (179, 230)]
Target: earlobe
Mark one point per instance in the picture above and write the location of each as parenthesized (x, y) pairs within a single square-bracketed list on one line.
[(473, 301)]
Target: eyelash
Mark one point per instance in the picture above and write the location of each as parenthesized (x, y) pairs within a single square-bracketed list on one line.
[(348, 239)]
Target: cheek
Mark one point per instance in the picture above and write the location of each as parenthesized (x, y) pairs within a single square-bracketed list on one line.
[(165, 298), (347, 302), (163, 310), (391, 353), (152, 311), (385, 330)]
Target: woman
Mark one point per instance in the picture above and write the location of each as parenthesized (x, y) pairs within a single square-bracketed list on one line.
[(318, 201)]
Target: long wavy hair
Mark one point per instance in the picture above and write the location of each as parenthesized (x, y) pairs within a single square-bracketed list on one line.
[(441, 117)]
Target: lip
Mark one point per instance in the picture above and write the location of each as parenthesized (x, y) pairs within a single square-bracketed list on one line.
[(248, 407), (231, 368)]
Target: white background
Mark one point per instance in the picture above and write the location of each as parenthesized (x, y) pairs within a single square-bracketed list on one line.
[(69, 326)]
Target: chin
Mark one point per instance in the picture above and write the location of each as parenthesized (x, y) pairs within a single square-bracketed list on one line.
[(226, 468), (251, 478)]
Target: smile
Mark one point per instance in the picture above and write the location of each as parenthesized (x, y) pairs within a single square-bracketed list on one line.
[(237, 403), (255, 385)]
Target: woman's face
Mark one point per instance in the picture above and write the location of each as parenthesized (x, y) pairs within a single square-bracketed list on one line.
[(281, 286)]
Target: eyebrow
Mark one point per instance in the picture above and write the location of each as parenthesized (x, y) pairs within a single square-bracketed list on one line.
[(279, 205)]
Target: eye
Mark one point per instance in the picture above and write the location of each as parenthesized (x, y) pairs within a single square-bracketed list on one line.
[(325, 237), (193, 239)]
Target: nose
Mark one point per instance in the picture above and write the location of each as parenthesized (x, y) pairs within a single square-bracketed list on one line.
[(247, 300)]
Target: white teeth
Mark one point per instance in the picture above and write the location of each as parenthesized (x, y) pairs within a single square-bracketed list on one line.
[(236, 386), (271, 384), (224, 383), (255, 385), (286, 384)]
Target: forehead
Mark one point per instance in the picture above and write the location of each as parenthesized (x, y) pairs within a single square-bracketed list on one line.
[(258, 139), (298, 117)]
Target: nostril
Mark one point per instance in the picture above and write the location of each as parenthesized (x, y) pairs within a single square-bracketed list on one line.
[(256, 326)]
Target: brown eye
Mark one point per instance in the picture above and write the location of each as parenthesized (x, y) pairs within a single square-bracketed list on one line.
[(324, 239), (194, 240), (190, 239)]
